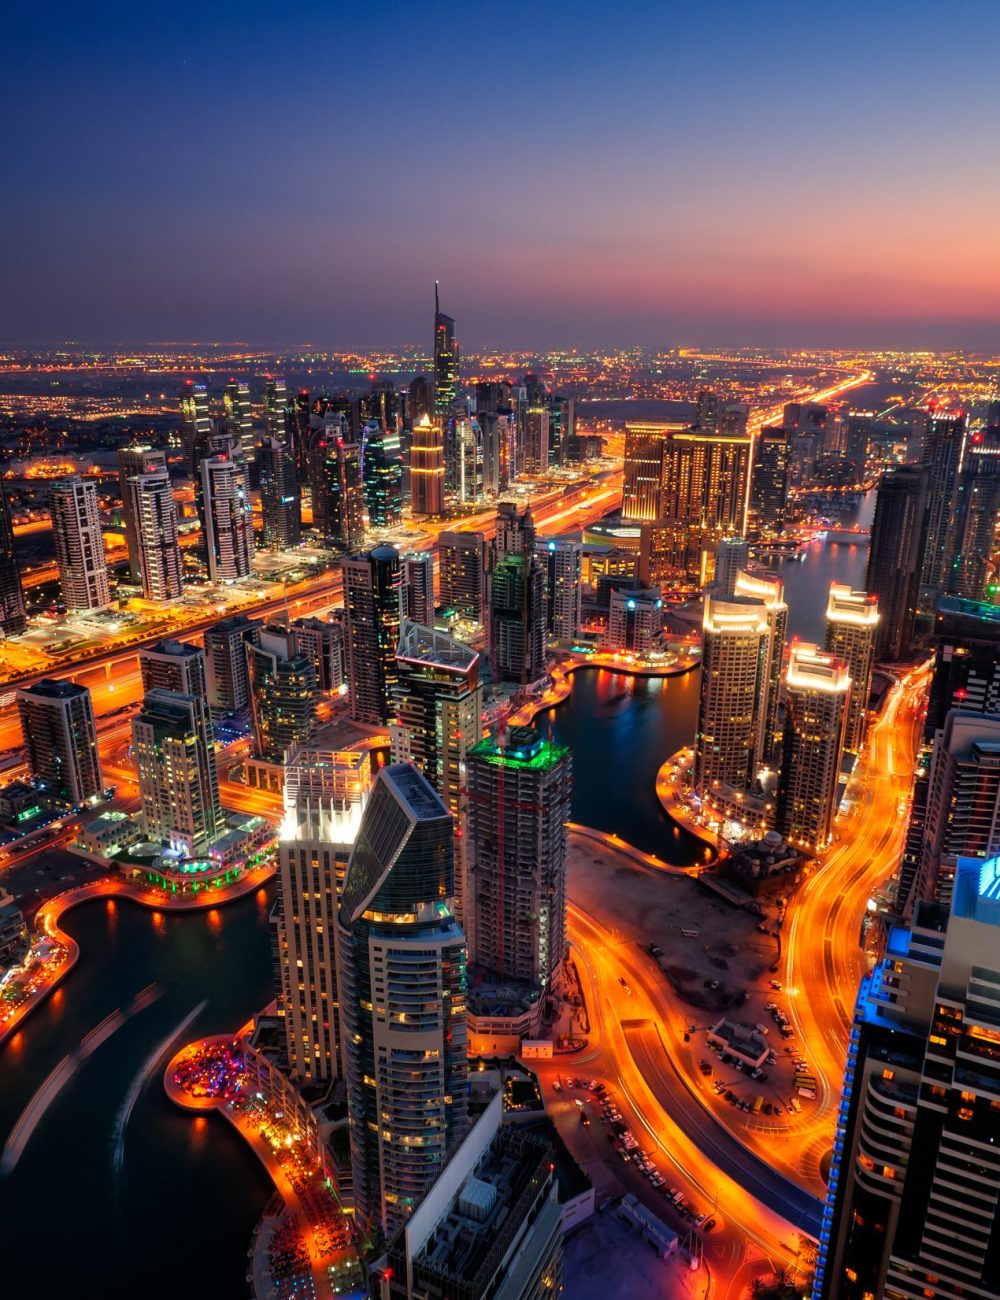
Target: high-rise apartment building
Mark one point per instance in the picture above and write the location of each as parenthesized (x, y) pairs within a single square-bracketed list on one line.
[(497, 437), (281, 506), (642, 486), (322, 640), (228, 677), (382, 476), (132, 462), (60, 735), (438, 704), (912, 1208), (735, 675), (769, 590), (966, 662), (416, 592), (228, 518), (562, 560), (173, 666), (196, 423), (535, 454), (895, 558), (12, 616), (519, 793), (706, 480), (175, 761), (943, 454), (371, 631), (283, 693), (325, 794), (427, 469), (79, 545), (817, 689), (515, 533), (280, 418), (731, 559), (151, 505), (635, 620), (769, 482), (517, 619), (402, 986), (239, 417), (445, 361), (462, 574), (969, 563), (851, 628)]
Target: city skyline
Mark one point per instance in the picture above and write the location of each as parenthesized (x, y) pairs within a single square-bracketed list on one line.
[(696, 181)]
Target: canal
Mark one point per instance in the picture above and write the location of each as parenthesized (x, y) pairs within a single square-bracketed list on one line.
[(168, 1209)]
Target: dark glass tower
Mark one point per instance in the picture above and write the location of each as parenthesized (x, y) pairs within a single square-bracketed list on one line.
[(12, 617), (944, 448), (371, 631), (383, 477), (445, 361), (895, 560), (969, 562), (279, 495)]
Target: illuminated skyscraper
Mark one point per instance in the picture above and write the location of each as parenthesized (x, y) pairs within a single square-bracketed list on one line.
[(79, 545), (227, 674), (151, 504), (438, 704), (535, 457), (173, 666), (562, 560), (228, 519), (461, 563), (469, 454), (383, 478), (497, 436), (770, 591), (371, 631), (736, 656), (283, 693), (912, 1208), (635, 621), (731, 560), (445, 361), (281, 507), (895, 558), (427, 469), (196, 424), (969, 563), (279, 412), (325, 794), (416, 592), (769, 482), (12, 615), (817, 687), (175, 761), (402, 986), (133, 461), (944, 451), (60, 735), (515, 533), (851, 627), (642, 488), (704, 495), (517, 618), (520, 788), (239, 417), (322, 640)]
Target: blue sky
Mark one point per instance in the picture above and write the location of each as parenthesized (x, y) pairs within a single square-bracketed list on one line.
[(573, 173)]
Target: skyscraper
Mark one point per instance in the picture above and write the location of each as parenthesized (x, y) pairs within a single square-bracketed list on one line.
[(228, 519), (12, 616), (339, 494), (817, 686), (228, 676), (515, 533), (770, 591), (175, 761), (323, 641), (427, 469), (769, 482), (944, 449), (416, 592), (895, 558), (517, 619), (520, 789), (133, 461), (279, 414), (79, 545), (281, 507), (196, 424), (462, 574), (969, 563), (283, 693), (731, 560), (402, 986), (851, 629), (704, 494), (562, 560), (737, 640), (239, 417), (497, 435), (445, 361), (535, 457), (438, 705), (912, 1204), (967, 660), (325, 794), (57, 723), (383, 477), (635, 620), (371, 631), (642, 486), (150, 501), (173, 666)]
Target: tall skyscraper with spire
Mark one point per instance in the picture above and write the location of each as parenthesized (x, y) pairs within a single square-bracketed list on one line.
[(445, 360)]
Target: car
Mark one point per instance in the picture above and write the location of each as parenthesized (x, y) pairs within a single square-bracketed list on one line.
[(556, 1086), (776, 985), (701, 1218), (709, 1225)]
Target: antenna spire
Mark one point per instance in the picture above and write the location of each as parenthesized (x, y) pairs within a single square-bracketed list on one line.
[(437, 304)]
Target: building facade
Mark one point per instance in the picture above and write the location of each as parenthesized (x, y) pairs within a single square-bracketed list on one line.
[(175, 762), (371, 631), (79, 545), (851, 630), (817, 690), (60, 735)]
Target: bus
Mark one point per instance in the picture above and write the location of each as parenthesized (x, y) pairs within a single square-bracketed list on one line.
[(758, 1104)]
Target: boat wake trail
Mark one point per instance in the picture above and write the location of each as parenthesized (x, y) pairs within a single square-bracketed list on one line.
[(140, 1080)]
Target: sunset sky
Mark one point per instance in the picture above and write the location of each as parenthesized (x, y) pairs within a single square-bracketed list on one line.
[(585, 174)]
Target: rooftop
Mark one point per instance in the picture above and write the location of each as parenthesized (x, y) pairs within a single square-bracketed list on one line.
[(523, 748), (424, 645)]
